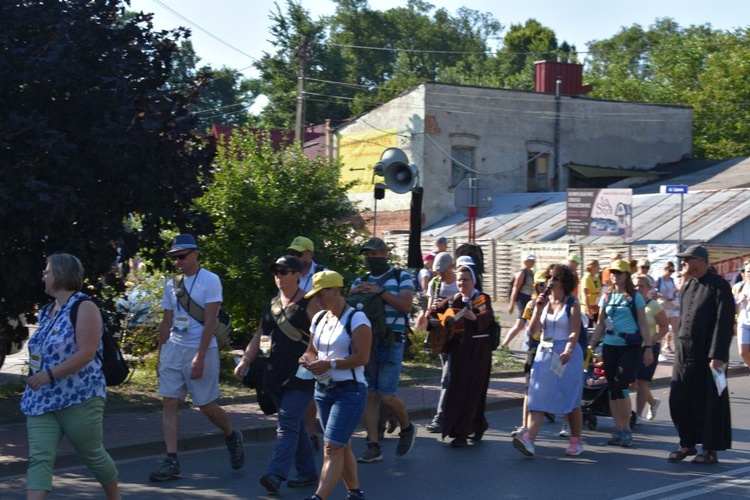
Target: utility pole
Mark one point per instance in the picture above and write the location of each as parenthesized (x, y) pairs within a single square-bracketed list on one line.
[(299, 123)]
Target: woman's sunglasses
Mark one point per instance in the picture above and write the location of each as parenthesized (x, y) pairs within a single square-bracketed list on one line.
[(282, 271)]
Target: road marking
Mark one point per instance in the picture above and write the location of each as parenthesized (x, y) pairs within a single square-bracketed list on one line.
[(727, 478)]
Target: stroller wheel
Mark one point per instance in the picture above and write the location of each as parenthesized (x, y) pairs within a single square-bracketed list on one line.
[(592, 422), (633, 418)]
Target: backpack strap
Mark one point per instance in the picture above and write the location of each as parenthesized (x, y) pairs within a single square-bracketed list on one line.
[(348, 330), (183, 297), (74, 318)]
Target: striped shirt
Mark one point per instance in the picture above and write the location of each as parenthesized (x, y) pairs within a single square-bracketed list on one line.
[(395, 284)]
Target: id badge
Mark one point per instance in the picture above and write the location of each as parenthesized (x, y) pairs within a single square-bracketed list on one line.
[(35, 363), (181, 324), (265, 344)]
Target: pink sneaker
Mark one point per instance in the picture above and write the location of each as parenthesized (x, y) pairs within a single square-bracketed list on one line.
[(575, 448)]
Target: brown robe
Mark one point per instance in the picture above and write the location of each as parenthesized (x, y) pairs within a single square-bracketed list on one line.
[(699, 414), (470, 367)]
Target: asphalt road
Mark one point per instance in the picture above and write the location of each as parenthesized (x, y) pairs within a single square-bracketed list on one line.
[(490, 469)]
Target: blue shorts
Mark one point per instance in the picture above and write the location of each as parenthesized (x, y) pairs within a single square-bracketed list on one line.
[(340, 410), (521, 302), (743, 335), (647, 372), (389, 360)]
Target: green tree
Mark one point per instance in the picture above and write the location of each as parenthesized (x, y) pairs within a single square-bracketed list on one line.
[(359, 57), (260, 200), (695, 66), (224, 97), (89, 133)]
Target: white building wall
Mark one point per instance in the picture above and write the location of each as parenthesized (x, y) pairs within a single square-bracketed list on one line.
[(504, 126)]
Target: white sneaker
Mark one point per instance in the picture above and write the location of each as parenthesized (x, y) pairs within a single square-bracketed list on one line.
[(651, 414), (662, 358), (565, 431), (525, 446), (638, 420), (519, 431)]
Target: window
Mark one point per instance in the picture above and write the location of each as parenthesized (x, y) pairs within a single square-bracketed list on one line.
[(537, 172), (464, 156)]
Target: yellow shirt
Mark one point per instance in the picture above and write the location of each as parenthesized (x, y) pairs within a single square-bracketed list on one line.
[(591, 286)]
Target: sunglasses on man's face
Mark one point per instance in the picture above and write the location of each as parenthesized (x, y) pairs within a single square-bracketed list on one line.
[(282, 271), (615, 272), (181, 256), (295, 253)]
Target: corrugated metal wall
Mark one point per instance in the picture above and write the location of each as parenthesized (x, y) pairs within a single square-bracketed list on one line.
[(502, 257)]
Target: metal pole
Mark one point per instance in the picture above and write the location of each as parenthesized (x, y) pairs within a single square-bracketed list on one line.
[(679, 244)]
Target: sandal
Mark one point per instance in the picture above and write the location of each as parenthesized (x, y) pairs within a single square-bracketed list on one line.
[(707, 457), (681, 453)]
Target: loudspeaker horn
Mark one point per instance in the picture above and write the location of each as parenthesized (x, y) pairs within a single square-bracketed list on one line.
[(388, 157), (401, 177)]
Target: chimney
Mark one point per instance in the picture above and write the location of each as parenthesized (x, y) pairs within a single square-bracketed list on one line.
[(547, 73)]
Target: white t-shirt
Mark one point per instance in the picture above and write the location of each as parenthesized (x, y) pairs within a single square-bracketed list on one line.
[(333, 342), (204, 287)]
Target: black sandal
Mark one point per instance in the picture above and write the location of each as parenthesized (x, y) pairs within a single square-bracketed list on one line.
[(707, 457), (681, 454)]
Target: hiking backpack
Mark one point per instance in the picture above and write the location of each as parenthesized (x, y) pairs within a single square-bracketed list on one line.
[(114, 365), (373, 306), (475, 252)]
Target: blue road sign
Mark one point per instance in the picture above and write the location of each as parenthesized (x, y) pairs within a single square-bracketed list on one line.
[(676, 189)]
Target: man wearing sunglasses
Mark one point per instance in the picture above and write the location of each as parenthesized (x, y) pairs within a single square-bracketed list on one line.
[(700, 412), (189, 355), (303, 249)]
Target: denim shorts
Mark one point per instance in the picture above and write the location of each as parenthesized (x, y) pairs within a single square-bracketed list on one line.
[(743, 334), (389, 359), (340, 410)]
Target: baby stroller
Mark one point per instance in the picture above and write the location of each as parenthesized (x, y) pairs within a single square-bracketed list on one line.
[(595, 397)]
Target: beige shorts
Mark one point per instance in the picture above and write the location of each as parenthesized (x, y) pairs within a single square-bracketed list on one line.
[(174, 374)]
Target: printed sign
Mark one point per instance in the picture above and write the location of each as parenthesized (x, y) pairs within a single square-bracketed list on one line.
[(600, 212)]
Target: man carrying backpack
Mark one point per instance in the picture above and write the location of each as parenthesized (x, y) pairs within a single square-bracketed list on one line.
[(189, 355), (397, 292)]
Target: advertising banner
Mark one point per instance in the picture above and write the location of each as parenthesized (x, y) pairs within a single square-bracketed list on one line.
[(359, 152), (600, 212)]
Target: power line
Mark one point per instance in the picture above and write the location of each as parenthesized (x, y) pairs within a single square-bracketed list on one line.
[(174, 12)]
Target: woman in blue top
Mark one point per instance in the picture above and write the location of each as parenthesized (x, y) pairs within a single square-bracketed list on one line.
[(622, 318), (66, 390)]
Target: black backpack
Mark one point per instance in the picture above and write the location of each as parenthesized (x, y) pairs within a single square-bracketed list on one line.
[(374, 308), (114, 365)]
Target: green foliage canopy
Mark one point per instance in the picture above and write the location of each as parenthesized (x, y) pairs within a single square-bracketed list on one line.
[(260, 200), (88, 134), (696, 66)]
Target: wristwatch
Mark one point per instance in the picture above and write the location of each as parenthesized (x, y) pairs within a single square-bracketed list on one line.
[(333, 364)]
